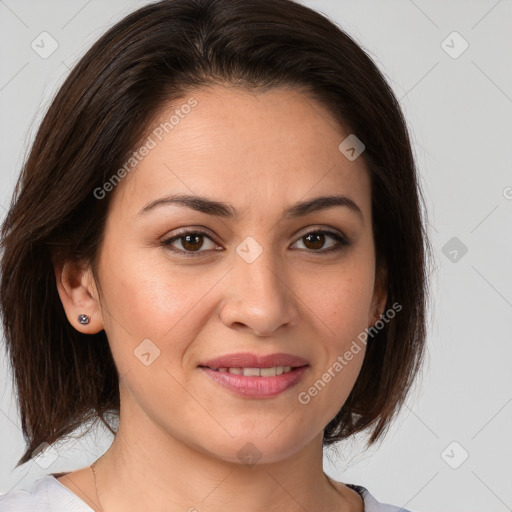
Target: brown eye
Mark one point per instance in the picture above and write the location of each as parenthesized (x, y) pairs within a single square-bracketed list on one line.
[(315, 240), (191, 242)]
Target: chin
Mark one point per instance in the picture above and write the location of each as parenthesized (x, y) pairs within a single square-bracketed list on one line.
[(261, 448)]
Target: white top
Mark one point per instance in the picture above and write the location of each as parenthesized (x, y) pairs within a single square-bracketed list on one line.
[(49, 495)]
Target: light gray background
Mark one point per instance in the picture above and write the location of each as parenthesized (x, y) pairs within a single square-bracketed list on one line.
[(460, 114)]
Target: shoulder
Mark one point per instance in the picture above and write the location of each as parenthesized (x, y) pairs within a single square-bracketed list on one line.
[(46, 495), (371, 504)]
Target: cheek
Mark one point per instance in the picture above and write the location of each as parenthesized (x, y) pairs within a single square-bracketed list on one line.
[(340, 305), (341, 300), (322, 396), (147, 299)]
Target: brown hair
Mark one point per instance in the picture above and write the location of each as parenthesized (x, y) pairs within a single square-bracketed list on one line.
[(103, 110)]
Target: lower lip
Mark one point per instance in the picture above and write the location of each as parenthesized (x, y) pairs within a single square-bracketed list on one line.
[(256, 387)]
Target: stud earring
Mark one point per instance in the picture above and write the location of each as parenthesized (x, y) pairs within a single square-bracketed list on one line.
[(84, 319)]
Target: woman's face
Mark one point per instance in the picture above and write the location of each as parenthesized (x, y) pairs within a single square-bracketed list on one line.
[(252, 281)]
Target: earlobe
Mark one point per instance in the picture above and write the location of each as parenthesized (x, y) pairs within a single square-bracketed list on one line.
[(79, 297)]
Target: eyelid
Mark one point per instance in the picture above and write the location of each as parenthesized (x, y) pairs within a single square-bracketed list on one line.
[(320, 229), (182, 232)]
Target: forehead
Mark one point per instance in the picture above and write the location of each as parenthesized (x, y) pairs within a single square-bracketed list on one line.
[(250, 149)]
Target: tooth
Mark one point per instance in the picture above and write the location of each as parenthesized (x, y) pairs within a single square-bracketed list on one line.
[(279, 370), (222, 369), (237, 371), (251, 372), (287, 369), (268, 372)]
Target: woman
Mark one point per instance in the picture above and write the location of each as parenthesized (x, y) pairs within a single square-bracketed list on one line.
[(217, 238)]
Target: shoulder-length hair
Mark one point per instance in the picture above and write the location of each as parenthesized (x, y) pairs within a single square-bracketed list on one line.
[(154, 56)]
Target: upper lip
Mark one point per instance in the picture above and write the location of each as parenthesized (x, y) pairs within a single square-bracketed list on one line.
[(248, 360)]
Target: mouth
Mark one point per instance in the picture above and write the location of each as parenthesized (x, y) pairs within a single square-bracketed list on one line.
[(271, 371), (251, 362), (254, 376)]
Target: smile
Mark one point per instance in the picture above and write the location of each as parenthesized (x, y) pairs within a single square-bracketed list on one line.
[(256, 382), (256, 372)]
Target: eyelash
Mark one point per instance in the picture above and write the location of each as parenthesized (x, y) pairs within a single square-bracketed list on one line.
[(342, 242)]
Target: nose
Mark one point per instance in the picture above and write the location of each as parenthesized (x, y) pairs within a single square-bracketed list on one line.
[(259, 296)]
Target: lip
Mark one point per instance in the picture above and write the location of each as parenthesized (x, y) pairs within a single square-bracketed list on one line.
[(257, 387), (252, 386), (249, 360)]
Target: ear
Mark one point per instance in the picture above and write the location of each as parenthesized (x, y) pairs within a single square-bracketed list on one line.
[(380, 296), (79, 295)]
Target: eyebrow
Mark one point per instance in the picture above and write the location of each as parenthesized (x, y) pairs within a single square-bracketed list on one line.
[(225, 210)]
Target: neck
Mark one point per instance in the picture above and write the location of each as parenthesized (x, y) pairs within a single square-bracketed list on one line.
[(156, 471)]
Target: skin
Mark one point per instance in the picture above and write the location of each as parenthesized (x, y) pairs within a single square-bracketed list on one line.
[(179, 432)]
